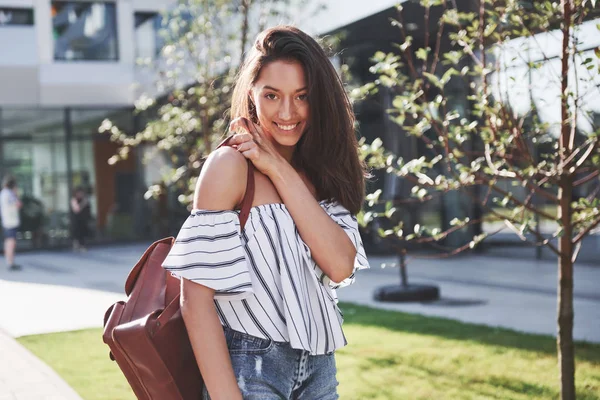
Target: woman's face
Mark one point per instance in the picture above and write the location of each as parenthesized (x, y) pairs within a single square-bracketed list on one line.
[(281, 100)]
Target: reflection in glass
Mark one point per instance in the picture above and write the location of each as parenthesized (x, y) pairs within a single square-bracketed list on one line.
[(112, 189), (52, 150), (24, 122), (147, 34), (33, 150), (16, 16), (87, 121), (84, 31)]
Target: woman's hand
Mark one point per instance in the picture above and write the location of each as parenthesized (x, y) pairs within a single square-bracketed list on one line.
[(252, 143)]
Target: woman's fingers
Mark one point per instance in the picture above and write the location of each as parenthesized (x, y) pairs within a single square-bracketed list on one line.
[(256, 132), (246, 146), (240, 138), (242, 126)]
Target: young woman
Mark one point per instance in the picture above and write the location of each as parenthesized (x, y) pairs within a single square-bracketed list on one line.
[(80, 216), (260, 305)]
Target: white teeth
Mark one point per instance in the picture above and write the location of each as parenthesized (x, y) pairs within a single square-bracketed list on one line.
[(287, 127)]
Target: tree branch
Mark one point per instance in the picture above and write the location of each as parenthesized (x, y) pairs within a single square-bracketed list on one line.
[(443, 235), (438, 43), (586, 179), (585, 156), (512, 220), (587, 230), (529, 207)]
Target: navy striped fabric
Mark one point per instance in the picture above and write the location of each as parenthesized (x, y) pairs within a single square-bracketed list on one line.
[(265, 280)]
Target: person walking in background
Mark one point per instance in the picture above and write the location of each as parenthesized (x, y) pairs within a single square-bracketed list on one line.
[(80, 212), (9, 211)]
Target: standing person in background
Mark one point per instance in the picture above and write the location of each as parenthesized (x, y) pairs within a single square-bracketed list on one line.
[(80, 209), (9, 211)]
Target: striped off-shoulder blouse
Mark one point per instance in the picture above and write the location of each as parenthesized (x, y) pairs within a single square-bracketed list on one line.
[(265, 280)]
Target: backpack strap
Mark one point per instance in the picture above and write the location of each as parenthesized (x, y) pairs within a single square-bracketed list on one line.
[(246, 203)]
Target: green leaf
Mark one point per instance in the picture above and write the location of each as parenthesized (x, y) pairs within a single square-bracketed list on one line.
[(422, 54), (375, 145), (448, 74), (433, 79), (406, 44), (453, 57), (379, 56)]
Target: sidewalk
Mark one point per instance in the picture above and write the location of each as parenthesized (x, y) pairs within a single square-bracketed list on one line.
[(60, 291), (500, 292), (24, 377)]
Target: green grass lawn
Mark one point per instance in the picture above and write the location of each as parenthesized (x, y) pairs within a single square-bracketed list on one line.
[(390, 355)]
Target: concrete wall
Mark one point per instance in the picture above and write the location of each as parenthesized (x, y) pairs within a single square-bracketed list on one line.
[(29, 75)]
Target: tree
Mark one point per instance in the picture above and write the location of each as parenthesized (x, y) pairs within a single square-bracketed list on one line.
[(503, 151), (186, 113)]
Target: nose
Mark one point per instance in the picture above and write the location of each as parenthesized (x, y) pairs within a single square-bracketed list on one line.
[(286, 109)]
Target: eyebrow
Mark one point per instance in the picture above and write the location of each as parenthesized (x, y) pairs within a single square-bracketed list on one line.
[(277, 90)]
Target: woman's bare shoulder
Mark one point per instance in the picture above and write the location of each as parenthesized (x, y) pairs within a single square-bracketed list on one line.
[(222, 181)]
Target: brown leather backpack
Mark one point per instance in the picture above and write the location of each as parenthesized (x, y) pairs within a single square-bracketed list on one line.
[(147, 335)]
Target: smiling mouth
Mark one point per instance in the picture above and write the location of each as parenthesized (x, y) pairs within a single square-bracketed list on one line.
[(287, 127)]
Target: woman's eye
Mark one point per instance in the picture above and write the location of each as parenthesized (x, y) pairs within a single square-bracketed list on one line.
[(302, 97), (270, 96)]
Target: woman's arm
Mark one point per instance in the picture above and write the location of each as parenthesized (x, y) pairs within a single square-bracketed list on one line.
[(330, 246), (208, 341), (75, 206), (221, 186)]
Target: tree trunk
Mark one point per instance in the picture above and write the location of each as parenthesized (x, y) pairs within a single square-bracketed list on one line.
[(566, 356), (403, 273), (245, 16)]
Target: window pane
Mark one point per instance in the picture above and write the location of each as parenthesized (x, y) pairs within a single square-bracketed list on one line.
[(16, 16), (113, 190), (33, 149), (36, 122), (147, 39), (87, 121), (84, 31)]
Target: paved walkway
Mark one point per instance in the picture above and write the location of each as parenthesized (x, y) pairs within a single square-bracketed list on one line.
[(24, 377), (59, 291)]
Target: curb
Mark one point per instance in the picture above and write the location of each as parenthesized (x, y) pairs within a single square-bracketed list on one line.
[(24, 376)]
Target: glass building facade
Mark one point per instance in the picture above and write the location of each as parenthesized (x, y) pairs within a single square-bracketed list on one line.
[(53, 151)]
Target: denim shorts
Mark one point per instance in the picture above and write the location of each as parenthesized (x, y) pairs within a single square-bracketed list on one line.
[(269, 370), (10, 233)]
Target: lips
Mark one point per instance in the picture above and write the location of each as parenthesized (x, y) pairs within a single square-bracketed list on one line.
[(287, 127)]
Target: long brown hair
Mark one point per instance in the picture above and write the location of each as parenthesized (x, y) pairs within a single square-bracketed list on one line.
[(328, 150)]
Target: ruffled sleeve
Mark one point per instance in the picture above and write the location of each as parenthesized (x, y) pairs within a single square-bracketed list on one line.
[(348, 222), (208, 250)]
